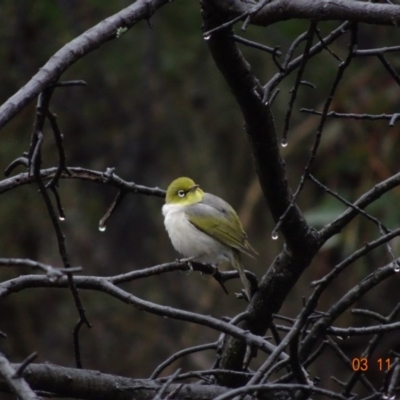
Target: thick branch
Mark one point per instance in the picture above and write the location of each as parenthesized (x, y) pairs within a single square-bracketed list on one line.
[(302, 242), (87, 384), (260, 128), (320, 10), (15, 383), (76, 49)]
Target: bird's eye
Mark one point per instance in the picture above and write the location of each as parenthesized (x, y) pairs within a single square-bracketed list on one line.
[(181, 193)]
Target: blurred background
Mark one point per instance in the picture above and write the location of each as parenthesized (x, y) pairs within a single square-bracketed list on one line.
[(156, 108)]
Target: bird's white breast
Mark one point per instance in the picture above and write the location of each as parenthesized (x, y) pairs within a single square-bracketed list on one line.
[(190, 241)]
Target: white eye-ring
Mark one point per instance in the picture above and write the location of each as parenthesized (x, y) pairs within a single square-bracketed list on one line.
[(181, 193)]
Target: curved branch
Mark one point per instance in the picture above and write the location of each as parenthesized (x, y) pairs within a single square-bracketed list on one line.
[(51, 272), (321, 10), (106, 285), (76, 49), (83, 174), (180, 354), (88, 384), (367, 198)]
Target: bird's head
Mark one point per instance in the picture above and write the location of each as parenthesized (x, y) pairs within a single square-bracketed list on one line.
[(183, 191)]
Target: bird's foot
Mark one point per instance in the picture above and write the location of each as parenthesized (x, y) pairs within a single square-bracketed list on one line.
[(191, 269), (215, 269), (188, 261), (213, 272)]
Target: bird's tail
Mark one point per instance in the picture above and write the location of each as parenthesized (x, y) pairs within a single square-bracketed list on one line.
[(237, 264)]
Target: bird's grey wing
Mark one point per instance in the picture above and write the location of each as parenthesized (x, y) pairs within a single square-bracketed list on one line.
[(218, 219), (218, 203)]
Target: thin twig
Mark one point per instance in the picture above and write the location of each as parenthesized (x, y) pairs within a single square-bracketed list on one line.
[(58, 138), (309, 36), (37, 139), (51, 272), (371, 117), (258, 46), (20, 370), (165, 386), (341, 69), (16, 384), (180, 354), (367, 353), (118, 199)]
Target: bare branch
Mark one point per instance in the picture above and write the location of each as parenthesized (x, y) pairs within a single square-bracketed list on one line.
[(321, 10), (83, 174), (339, 75), (309, 37), (24, 364), (367, 353), (34, 158), (364, 330), (51, 272), (343, 304), (105, 285), (17, 384), (180, 354), (76, 49), (290, 389), (74, 383), (367, 198)]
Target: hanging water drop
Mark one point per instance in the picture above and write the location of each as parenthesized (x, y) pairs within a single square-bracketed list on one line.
[(274, 235), (102, 228), (61, 218), (284, 143), (396, 266), (208, 37)]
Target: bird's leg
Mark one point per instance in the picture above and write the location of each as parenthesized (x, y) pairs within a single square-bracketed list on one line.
[(188, 261), (215, 267), (214, 270)]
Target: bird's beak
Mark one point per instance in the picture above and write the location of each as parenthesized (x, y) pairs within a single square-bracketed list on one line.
[(193, 188)]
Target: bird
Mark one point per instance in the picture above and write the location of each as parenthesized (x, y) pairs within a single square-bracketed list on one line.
[(205, 227)]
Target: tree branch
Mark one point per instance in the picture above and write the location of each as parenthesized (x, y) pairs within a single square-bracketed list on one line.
[(367, 198), (106, 285), (16, 384), (90, 40), (343, 304), (302, 242), (87, 384), (260, 128), (321, 10), (83, 174)]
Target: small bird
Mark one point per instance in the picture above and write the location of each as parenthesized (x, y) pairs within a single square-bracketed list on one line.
[(205, 227)]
